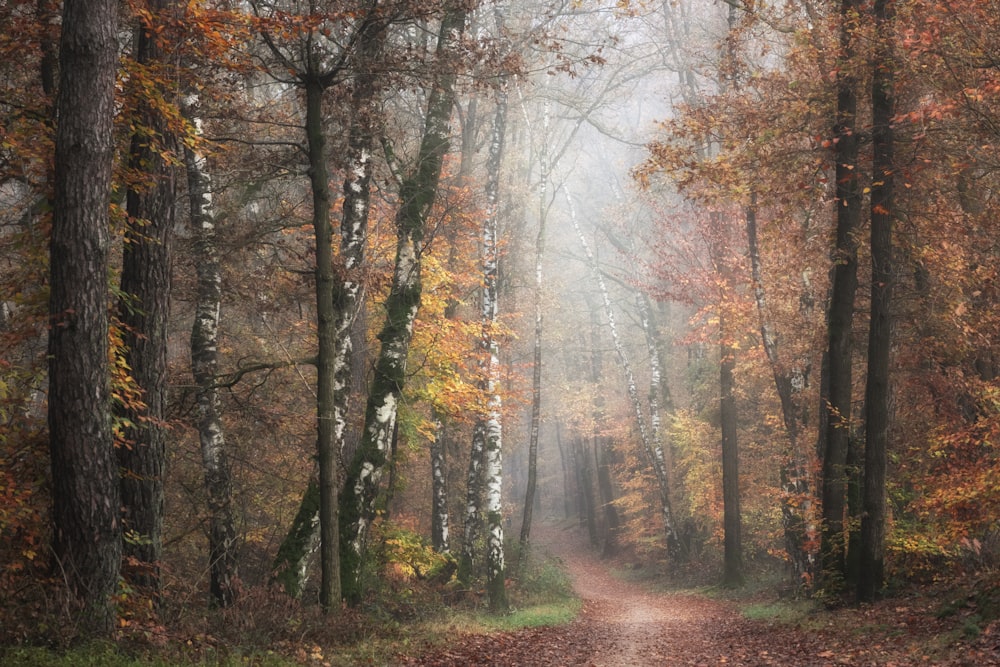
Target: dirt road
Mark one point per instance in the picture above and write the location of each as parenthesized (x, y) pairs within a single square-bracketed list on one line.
[(624, 625)]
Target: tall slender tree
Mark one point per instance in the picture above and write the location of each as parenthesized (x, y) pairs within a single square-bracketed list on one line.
[(489, 427), (145, 302), (877, 390), (654, 450), (316, 63), (840, 316), (417, 193), (222, 544)]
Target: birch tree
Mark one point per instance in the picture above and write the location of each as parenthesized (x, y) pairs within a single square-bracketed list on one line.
[(317, 61), (417, 192), (222, 544), (653, 449), (489, 428)]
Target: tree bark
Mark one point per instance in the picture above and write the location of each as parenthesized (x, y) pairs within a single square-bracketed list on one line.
[(291, 564), (732, 575), (326, 332), (439, 488), (473, 526), (143, 311), (417, 192), (840, 318), (489, 346), (222, 545), (585, 482), (608, 524), (87, 536), (536, 365), (877, 391), (339, 294)]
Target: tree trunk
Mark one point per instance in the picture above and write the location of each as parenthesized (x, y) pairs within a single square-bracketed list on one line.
[(654, 450), (854, 502), (796, 500), (840, 319), (606, 490), (339, 294), (87, 535), (439, 488), (608, 524), (566, 467), (222, 546), (490, 348), (291, 564), (732, 516), (585, 480), (143, 312), (474, 486), (326, 332), (536, 366), (877, 390), (417, 192)]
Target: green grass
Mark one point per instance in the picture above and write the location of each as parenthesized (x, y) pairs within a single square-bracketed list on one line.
[(781, 611), (553, 613)]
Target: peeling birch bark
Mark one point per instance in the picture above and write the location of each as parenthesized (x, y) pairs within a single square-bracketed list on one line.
[(222, 544), (417, 192)]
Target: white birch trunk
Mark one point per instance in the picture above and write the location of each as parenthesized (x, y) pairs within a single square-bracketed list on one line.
[(417, 192), (204, 366), (653, 448)]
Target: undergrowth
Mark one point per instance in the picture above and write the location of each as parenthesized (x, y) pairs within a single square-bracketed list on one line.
[(265, 628)]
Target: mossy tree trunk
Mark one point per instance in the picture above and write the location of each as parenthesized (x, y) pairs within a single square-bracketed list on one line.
[(417, 193)]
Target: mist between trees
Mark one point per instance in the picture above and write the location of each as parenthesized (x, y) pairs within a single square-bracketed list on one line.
[(314, 298)]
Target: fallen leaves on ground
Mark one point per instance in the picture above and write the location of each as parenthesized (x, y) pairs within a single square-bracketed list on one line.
[(623, 624)]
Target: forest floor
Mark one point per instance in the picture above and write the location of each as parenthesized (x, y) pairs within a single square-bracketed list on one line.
[(633, 624)]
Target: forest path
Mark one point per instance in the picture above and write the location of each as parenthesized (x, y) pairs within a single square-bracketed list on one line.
[(624, 624)]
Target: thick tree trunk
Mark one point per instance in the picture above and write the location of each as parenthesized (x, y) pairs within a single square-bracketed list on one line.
[(87, 535), (222, 545), (143, 312), (357, 500), (840, 318), (877, 389)]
